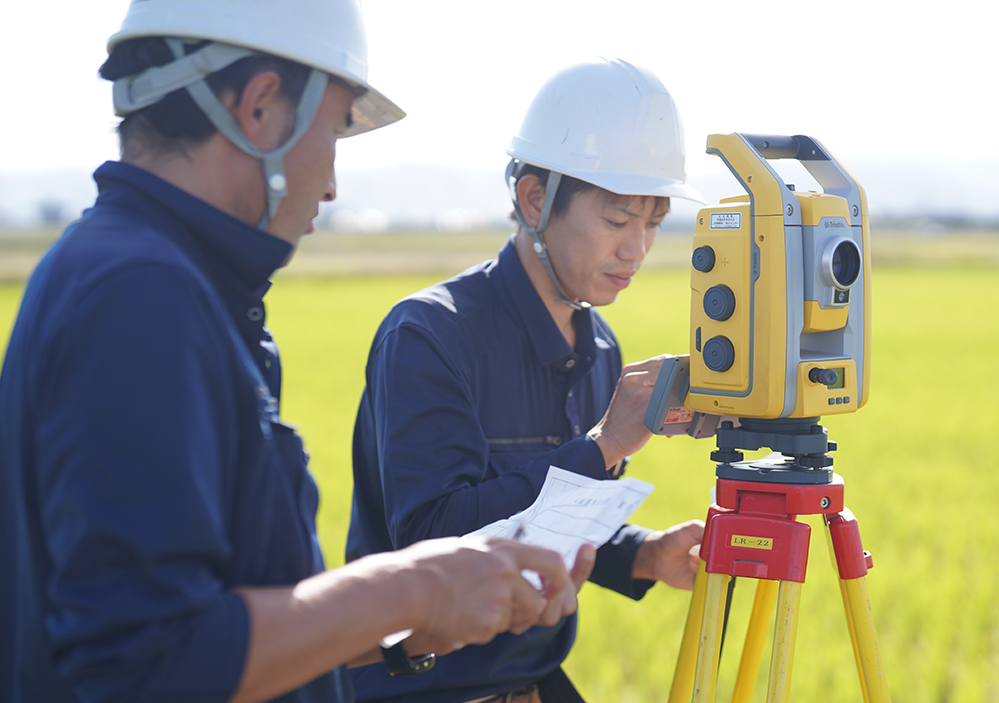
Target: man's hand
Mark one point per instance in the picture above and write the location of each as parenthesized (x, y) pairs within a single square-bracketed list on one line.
[(586, 557), (621, 431), (476, 590), (670, 556)]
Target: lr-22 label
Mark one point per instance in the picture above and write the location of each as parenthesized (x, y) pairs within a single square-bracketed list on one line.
[(752, 542)]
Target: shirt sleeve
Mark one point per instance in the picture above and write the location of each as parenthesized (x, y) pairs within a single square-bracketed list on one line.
[(433, 456), (616, 560), (135, 431)]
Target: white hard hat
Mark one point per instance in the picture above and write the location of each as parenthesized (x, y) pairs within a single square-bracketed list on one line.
[(609, 123), (327, 35)]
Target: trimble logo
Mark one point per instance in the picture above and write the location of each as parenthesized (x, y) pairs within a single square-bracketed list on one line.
[(833, 223)]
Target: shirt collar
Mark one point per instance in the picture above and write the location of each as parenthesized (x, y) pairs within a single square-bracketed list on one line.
[(518, 293), (248, 252)]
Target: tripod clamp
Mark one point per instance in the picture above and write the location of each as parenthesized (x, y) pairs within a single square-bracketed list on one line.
[(803, 443)]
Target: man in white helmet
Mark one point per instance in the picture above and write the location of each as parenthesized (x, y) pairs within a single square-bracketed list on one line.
[(475, 386), (157, 516)]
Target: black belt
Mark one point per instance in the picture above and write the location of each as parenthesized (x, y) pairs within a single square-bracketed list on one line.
[(555, 687), (509, 696)]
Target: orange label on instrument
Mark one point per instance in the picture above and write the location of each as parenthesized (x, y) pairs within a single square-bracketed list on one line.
[(675, 415)]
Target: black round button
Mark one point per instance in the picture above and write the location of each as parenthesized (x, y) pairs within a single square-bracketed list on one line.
[(703, 259), (719, 302), (719, 354), (827, 377)]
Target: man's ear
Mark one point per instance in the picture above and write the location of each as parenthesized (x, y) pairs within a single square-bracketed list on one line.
[(263, 113), (531, 196)]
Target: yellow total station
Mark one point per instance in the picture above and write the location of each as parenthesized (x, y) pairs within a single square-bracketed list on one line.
[(780, 288)]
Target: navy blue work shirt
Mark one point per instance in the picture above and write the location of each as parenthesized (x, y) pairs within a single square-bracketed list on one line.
[(144, 470), (472, 393)]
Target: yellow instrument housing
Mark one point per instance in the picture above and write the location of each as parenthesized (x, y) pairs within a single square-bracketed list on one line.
[(780, 288)]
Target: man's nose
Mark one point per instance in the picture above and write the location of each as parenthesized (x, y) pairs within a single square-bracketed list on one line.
[(633, 248)]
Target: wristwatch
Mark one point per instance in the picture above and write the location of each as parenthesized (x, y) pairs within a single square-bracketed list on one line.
[(398, 662)]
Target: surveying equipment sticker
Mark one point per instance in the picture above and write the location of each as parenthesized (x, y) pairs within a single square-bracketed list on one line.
[(726, 220), (752, 542), (681, 414)]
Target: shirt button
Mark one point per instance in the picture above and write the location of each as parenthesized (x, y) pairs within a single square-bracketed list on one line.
[(570, 363), (256, 314), (575, 430), (570, 393)]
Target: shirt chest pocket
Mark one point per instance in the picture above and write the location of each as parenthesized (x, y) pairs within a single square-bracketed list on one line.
[(291, 458), (287, 514), (294, 461), (509, 453)]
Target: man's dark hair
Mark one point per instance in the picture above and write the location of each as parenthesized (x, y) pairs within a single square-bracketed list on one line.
[(176, 121), (568, 188)]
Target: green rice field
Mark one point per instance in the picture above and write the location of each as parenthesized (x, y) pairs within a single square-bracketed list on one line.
[(915, 458)]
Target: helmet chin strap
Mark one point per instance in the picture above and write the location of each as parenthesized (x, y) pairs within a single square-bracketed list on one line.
[(271, 161), (536, 233)]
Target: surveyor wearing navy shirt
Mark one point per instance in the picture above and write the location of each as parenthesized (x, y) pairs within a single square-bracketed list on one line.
[(476, 385), (156, 512)]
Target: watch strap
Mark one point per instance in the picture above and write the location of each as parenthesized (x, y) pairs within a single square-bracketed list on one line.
[(399, 663)]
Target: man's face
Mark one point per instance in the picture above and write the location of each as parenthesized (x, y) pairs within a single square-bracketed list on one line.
[(597, 245), (309, 166)]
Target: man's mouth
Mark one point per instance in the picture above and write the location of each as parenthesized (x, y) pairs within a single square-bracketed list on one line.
[(621, 279)]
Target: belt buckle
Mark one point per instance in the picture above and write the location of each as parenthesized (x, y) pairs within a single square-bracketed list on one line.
[(522, 695), (517, 695)]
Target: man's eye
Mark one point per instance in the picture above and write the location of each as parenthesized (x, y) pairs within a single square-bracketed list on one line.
[(618, 225)]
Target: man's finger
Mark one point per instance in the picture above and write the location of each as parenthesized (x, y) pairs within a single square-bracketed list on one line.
[(652, 364), (586, 557), (688, 533), (696, 528), (527, 605), (545, 562)]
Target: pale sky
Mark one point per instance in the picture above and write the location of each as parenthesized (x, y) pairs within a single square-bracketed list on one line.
[(865, 78)]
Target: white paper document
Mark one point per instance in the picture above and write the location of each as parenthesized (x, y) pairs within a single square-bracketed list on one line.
[(572, 510)]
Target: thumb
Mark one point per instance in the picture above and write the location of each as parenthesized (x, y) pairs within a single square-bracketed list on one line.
[(586, 557), (692, 532)]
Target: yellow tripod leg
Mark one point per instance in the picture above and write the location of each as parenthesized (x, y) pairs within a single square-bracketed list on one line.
[(853, 640), (708, 651), (849, 618), (683, 677), (785, 632), (860, 613), (756, 635)]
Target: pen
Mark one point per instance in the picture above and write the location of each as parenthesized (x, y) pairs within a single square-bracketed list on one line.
[(521, 530)]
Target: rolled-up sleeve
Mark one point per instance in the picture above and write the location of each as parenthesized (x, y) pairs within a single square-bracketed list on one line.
[(134, 454), (616, 560)]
